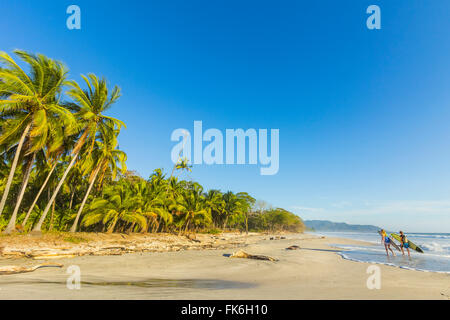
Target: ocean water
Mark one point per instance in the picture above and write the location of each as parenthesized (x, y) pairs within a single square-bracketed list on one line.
[(436, 247)]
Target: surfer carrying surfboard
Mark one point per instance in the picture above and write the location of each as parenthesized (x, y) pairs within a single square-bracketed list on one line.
[(404, 243), (386, 241)]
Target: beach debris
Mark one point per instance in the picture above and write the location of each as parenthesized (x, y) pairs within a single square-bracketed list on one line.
[(277, 238), (192, 237), (109, 245), (15, 269), (245, 255), (51, 257), (47, 253), (294, 247)]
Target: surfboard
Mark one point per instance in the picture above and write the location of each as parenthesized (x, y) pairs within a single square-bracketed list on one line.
[(411, 244), (392, 242)]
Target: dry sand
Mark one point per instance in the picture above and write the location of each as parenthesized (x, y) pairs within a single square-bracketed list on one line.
[(315, 271)]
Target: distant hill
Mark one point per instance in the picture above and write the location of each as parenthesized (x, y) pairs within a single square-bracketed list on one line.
[(323, 225)]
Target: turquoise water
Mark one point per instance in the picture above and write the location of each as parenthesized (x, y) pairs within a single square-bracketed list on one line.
[(436, 247)]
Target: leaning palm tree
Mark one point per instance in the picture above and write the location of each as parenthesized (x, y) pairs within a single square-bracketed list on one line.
[(55, 146), (27, 173), (108, 158), (59, 146), (28, 102), (89, 106)]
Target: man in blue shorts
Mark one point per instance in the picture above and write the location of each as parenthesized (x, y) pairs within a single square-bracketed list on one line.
[(404, 243), (386, 241)]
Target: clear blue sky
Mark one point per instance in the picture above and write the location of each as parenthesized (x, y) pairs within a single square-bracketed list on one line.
[(363, 114)]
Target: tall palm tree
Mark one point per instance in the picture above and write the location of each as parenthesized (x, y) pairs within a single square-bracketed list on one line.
[(89, 105), (108, 157), (55, 147), (59, 145), (27, 172), (28, 102)]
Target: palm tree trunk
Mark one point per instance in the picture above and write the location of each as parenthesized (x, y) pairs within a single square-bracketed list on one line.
[(38, 226), (13, 168), (38, 195), (12, 222), (225, 223), (71, 199), (111, 229), (75, 223), (52, 216), (159, 224), (187, 226)]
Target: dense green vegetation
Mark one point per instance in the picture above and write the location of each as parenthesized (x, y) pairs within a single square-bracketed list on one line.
[(61, 167)]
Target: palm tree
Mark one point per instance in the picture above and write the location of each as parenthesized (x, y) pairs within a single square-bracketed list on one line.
[(52, 163), (12, 221), (215, 205), (74, 185), (108, 158), (29, 102), (59, 145), (119, 205), (232, 206), (90, 105), (191, 206), (182, 164), (157, 208)]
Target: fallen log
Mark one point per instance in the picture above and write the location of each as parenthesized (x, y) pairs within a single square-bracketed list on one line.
[(51, 257), (15, 269)]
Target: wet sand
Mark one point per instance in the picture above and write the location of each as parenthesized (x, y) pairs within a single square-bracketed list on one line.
[(315, 271)]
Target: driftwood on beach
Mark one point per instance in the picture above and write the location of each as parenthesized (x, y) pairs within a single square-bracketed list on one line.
[(46, 249), (245, 255), (16, 269), (99, 250)]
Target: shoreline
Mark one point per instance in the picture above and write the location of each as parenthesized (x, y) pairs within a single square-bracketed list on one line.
[(314, 271)]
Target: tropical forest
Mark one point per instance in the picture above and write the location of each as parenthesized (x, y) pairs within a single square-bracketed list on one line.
[(61, 168)]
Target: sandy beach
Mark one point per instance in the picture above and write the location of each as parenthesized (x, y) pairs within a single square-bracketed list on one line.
[(315, 271)]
